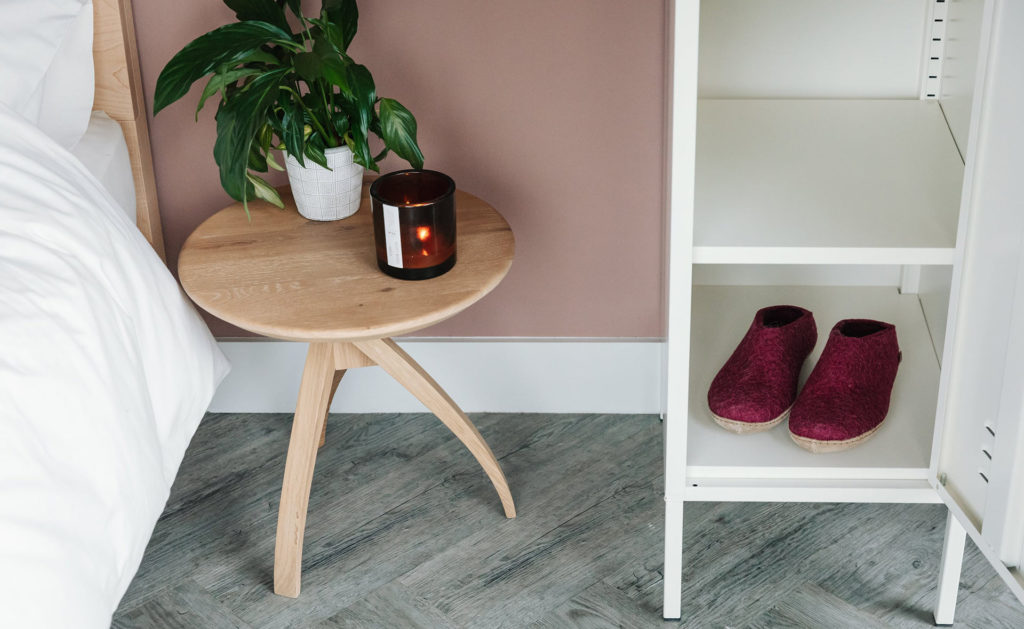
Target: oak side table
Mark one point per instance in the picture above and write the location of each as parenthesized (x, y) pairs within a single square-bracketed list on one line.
[(286, 277)]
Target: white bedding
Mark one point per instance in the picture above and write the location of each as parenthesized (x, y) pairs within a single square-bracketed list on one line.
[(105, 372), (47, 67), (104, 153)]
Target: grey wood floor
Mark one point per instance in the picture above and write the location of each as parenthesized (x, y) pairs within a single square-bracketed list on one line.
[(405, 531)]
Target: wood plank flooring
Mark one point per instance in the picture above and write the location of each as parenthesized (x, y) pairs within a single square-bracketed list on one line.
[(405, 530)]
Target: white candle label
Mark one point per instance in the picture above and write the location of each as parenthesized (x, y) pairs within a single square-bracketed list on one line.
[(392, 238)]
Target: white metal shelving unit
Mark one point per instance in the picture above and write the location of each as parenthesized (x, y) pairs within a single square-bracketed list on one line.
[(899, 452), (834, 181), (825, 182)]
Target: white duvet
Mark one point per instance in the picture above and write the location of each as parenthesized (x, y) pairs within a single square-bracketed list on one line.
[(105, 372)]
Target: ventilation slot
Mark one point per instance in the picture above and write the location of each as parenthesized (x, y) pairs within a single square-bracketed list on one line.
[(935, 43), (987, 447)]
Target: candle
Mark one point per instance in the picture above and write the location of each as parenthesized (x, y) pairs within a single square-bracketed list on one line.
[(414, 223)]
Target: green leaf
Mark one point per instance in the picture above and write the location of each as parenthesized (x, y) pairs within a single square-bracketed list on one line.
[(273, 162), (264, 190), (266, 135), (315, 152), (336, 72), (365, 95), (310, 100), (341, 124), (322, 46), (273, 126), (357, 142), (334, 36), (307, 65), (221, 80), (226, 45), (265, 140), (257, 161), (294, 5), (398, 130), (343, 14), (293, 130), (259, 10), (363, 89), (239, 120), (260, 56), (328, 40)]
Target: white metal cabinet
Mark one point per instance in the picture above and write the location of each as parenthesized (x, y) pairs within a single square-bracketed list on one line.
[(853, 179), (978, 455)]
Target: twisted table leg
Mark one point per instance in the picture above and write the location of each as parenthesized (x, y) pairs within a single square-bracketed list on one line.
[(400, 366), (325, 365)]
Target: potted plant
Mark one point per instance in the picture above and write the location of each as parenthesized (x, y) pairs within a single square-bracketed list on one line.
[(299, 92)]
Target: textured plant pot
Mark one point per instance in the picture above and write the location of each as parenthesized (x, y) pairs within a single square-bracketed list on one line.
[(326, 195)]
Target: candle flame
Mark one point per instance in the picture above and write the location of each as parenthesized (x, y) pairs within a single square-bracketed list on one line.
[(423, 233)]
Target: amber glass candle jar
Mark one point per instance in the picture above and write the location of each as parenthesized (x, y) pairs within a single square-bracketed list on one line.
[(414, 223)]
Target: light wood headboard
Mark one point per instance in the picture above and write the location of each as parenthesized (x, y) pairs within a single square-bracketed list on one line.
[(119, 95)]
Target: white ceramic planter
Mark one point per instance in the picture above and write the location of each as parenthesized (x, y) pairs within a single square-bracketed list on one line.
[(326, 195)]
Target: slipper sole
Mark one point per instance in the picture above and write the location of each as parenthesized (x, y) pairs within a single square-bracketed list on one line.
[(748, 428), (818, 446)]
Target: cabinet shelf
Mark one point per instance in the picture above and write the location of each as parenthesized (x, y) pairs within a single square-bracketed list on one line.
[(901, 449), (825, 182)]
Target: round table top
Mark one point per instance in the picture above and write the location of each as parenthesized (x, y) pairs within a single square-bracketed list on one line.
[(287, 277)]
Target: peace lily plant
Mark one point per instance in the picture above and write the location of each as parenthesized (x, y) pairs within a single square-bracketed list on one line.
[(299, 92)]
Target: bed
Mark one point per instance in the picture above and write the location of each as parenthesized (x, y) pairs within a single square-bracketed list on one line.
[(104, 153), (105, 367)]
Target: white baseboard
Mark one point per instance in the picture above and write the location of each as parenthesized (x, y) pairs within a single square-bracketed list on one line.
[(481, 375)]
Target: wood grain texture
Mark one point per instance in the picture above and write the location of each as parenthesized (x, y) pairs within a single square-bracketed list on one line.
[(147, 209), (391, 602), (348, 356), (276, 273), (325, 365), (345, 356), (400, 366), (405, 527), (810, 606), (119, 94), (883, 586), (310, 417), (586, 507), (334, 389), (404, 505), (600, 605), (185, 606), (116, 61), (286, 277), (988, 607)]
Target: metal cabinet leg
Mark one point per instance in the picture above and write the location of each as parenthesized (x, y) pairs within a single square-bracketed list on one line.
[(949, 574), (673, 572)]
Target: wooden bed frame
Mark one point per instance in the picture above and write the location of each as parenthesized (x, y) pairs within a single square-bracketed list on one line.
[(119, 95)]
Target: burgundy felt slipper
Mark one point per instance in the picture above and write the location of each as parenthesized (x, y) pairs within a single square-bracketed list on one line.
[(756, 387), (846, 397)]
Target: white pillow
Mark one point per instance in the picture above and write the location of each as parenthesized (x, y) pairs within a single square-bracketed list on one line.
[(46, 56), (68, 88)]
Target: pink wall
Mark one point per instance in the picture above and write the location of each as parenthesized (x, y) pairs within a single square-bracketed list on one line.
[(551, 111)]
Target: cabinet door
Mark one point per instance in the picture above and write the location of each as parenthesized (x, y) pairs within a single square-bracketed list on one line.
[(978, 458)]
